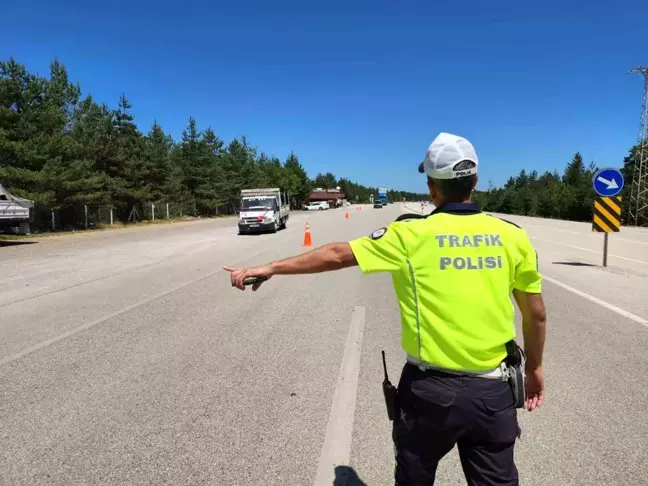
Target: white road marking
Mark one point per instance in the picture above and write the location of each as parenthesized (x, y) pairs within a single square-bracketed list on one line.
[(81, 284), (588, 250), (551, 228), (88, 325), (336, 450), (607, 305), (588, 232), (586, 226), (629, 241)]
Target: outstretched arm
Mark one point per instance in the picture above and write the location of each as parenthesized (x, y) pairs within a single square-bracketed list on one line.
[(334, 256), (383, 251)]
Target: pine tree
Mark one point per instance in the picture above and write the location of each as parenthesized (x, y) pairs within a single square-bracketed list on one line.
[(297, 182), (157, 161), (325, 181), (209, 192), (574, 171), (23, 132)]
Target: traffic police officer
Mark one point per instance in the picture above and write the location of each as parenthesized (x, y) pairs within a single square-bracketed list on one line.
[(453, 273)]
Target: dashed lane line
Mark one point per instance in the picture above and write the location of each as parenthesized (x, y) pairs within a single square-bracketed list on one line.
[(336, 450)]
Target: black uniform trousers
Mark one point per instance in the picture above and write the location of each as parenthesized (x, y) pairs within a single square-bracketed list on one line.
[(438, 410)]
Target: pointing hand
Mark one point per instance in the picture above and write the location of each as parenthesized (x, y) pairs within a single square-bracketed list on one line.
[(238, 275)]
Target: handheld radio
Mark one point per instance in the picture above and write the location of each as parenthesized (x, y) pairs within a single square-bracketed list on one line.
[(390, 392)]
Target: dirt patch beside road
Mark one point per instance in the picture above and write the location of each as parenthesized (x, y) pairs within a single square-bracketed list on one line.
[(8, 240)]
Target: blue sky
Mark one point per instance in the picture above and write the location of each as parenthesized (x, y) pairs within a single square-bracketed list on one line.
[(359, 88)]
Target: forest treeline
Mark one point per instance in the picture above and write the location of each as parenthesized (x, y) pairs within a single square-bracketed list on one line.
[(569, 195), (65, 151)]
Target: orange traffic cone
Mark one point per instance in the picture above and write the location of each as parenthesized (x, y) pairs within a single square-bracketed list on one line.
[(307, 236), (346, 215)]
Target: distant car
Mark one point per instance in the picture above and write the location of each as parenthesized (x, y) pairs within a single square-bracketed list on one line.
[(378, 205), (317, 206)]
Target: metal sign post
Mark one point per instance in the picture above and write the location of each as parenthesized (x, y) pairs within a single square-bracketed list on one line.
[(606, 219), (607, 209)]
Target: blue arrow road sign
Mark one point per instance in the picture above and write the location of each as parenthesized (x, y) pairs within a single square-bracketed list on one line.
[(608, 182)]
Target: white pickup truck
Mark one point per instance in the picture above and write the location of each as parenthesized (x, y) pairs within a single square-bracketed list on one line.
[(263, 210), (14, 212)]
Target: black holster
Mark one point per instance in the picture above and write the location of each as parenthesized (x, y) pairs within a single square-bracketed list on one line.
[(514, 361)]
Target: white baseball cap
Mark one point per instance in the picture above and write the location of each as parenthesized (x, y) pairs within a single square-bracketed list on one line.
[(446, 155)]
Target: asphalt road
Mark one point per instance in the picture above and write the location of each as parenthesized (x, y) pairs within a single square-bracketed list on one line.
[(127, 358)]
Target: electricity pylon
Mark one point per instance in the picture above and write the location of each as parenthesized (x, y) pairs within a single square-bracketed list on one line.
[(638, 210)]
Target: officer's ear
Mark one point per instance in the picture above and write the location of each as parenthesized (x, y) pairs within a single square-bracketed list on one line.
[(432, 187)]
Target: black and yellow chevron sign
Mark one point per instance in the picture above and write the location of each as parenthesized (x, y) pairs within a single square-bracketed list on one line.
[(607, 215)]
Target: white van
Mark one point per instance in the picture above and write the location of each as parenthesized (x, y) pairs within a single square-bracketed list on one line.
[(263, 210)]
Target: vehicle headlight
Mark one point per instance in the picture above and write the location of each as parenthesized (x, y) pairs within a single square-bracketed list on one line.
[(268, 219)]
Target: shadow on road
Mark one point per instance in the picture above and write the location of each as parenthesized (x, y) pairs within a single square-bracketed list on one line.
[(16, 243), (346, 476), (575, 264)]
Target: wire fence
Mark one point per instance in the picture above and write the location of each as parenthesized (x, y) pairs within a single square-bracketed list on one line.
[(95, 216), (91, 216)]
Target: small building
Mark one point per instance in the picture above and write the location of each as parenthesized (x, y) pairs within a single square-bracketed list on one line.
[(333, 196)]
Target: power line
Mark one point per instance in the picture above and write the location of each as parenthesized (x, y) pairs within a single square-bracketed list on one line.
[(638, 210)]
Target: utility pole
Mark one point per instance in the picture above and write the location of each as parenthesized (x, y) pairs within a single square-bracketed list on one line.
[(639, 187)]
